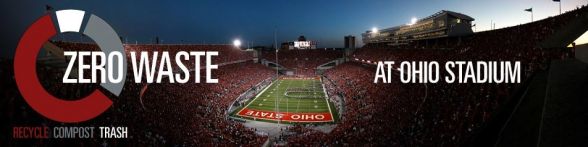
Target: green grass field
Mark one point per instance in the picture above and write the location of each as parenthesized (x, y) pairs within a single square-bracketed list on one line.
[(292, 96)]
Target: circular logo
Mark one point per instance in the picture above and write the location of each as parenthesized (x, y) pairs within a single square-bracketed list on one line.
[(25, 61)]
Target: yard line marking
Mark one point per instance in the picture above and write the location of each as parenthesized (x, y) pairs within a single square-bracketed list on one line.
[(287, 99), (298, 104)]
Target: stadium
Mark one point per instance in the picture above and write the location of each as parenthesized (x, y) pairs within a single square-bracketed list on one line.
[(309, 96)]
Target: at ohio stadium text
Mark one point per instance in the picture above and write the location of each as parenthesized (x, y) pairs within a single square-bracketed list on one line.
[(455, 71)]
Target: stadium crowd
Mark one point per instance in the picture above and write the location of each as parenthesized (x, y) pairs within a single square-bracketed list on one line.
[(303, 62), (195, 113), (392, 114), (448, 114)]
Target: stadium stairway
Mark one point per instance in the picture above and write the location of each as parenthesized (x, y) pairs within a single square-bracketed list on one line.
[(551, 111), (565, 113), (521, 126)]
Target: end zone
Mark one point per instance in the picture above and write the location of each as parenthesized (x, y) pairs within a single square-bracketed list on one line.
[(285, 116)]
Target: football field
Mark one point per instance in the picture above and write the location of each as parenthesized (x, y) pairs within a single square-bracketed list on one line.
[(290, 100)]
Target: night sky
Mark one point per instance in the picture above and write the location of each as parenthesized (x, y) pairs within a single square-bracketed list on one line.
[(254, 21)]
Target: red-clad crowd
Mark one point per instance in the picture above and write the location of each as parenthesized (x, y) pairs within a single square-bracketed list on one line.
[(391, 114), (373, 113), (195, 113), (438, 114)]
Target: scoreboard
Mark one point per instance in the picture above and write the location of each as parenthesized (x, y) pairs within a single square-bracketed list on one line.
[(303, 45)]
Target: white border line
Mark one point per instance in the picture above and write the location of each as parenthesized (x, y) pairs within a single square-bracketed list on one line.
[(256, 98), (327, 99)]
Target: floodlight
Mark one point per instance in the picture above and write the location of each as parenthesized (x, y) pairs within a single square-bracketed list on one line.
[(374, 30), (413, 20), (237, 43)]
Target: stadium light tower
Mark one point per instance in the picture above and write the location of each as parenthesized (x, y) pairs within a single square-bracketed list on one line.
[(277, 74), (237, 43)]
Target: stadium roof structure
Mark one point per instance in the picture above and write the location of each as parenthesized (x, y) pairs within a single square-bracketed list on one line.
[(438, 25), (454, 14)]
